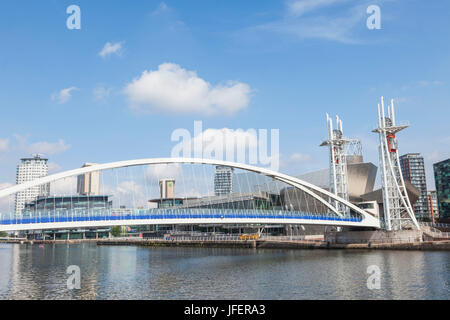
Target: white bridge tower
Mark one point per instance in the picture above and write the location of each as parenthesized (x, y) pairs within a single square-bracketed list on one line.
[(398, 211), (340, 147)]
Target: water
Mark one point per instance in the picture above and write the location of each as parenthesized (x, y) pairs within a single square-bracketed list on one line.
[(122, 272)]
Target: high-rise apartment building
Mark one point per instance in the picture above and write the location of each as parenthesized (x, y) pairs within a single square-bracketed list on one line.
[(413, 170), (223, 180), (30, 169), (88, 184), (442, 180)]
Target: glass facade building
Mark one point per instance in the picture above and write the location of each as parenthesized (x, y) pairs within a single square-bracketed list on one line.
[(233, 201), (78, 205), (168, 203), (413, 170), (442, 180)]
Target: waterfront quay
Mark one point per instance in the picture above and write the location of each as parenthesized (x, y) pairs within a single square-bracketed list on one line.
[(278, 243), (281, 242)]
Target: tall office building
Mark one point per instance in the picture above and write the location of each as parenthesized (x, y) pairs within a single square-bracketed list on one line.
[(442, 180), (413, 170), (30, 169), (88, 184), (223, 180), (167, 188)]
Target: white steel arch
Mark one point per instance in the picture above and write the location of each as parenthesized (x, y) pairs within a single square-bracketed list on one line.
[(309, 188)]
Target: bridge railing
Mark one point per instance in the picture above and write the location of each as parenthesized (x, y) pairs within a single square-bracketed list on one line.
[(435, 225), (212, 238), (309, 238), (166, 213)]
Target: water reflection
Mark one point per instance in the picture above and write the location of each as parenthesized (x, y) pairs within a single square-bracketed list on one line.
[(108, 272)]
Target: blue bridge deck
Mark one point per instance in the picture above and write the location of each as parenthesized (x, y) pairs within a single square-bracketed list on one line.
[(111, 215)]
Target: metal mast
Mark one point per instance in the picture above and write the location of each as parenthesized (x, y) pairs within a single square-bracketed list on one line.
[(398, 211), (339, 145)]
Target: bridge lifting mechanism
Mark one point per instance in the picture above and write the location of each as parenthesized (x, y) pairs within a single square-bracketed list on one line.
[(398, 213), (340, 147)]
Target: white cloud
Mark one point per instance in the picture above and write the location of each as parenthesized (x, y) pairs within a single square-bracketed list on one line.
[(252, 146), (300, 157), (64, 95), (173, 89), (300, 7), (7, 204), (53, 168), (67, 186), (163, 171), (111, 48), (101, 93), (220, 144), (311, 19), (190, 180), (401, 99), (299, 163), (4, 145), (128, 193), (43, 147), (295, 160), (48, 148), (421, 84), (433, 156), (227, 139), (162, 7), (440, 150), (427, 83)]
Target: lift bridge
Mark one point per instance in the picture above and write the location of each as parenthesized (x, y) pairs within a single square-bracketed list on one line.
[(129, 193)]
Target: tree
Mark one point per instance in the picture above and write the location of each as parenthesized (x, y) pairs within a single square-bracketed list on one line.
[(3, 234), (116, 231)]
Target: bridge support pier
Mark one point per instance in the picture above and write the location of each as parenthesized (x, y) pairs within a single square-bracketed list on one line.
[(377, 236)]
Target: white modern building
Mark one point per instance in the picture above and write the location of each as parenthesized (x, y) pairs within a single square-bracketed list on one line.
[(30, 169)]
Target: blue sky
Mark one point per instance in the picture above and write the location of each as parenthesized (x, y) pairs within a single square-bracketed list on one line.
[(256, 64)]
